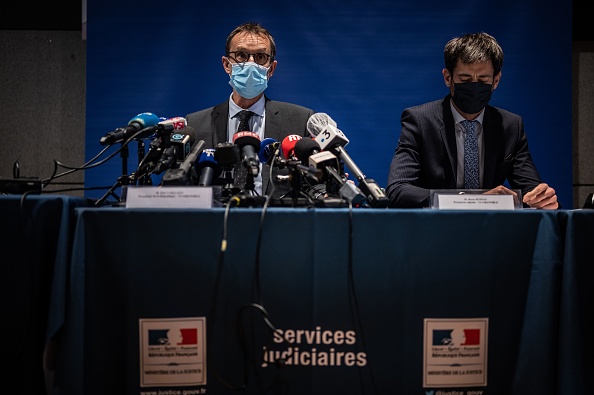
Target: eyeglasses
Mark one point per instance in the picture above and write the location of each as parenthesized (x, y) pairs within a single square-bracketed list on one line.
[(260, 58)]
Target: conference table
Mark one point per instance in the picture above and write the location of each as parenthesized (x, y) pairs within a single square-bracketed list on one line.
[(301, 300), (320, 300)]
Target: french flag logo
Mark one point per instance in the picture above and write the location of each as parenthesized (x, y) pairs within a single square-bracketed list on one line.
[(456, 337)]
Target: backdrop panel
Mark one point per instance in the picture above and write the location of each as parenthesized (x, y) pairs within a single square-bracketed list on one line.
[(360, 62)]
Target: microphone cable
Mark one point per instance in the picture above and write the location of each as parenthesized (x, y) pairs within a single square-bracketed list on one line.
[(259, 305), (211, 318), (354, 303), (89, 164), (47, 181), (249, 358)]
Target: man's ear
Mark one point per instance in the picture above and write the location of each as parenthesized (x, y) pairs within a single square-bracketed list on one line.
[(496, 80), (271, 69), (447, 77), (226, 65)]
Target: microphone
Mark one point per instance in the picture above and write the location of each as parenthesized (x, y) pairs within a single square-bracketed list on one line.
[(181, 175), (136, 124), (178, 123), (305, 148), (163, 127), (207, 167), (317, 122), (327, 169), (178, 147), (183, 140), (267, 149), (288, 145), (227, 155), (324, 129), (249, 144)]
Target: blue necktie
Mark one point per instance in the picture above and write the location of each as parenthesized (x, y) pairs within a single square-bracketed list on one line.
[(471, 163)]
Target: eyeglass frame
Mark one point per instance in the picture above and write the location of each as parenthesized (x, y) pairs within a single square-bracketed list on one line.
[(269, 58)]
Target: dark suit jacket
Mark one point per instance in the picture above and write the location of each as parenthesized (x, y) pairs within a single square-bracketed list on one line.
[(426, 154), (282, 119)]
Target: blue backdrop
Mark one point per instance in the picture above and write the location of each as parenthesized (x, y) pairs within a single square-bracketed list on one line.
[(362, 63)]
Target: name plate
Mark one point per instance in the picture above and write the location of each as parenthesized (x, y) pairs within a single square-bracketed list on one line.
[(451, 199), (476, 202), (169, 197)]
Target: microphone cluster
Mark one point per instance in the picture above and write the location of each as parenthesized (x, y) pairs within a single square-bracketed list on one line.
[(172, 146), (325, 132), (315, 163)]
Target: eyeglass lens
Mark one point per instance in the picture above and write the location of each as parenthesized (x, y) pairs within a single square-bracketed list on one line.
[(242, 56)]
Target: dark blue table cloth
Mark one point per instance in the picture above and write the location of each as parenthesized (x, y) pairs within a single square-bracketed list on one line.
[(352, 290)]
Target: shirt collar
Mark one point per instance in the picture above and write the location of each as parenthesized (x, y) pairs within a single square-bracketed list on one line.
[(257, 107), (459, 118)]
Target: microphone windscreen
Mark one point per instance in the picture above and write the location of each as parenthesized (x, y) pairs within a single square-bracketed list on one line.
[(288, 145), (267, 148), (207, 159), (247, 138), (317, 122), (227, 154), (207, 167), (178, 123), (305, 148), (145, 119)]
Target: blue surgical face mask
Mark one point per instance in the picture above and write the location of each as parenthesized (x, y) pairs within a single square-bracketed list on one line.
[(249, 79)]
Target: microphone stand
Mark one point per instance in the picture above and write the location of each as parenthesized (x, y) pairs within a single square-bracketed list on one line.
[(227, 155), (140, 150), (124, 155), (229, 189), (124, 179), (295, 167)]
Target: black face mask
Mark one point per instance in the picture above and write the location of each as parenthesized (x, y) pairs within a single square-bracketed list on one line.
[(472, 97)]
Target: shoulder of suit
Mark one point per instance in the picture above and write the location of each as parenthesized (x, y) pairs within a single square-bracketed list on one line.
[(218, 108), (501, 110), (434, 103), (285, 106), (427, 107)]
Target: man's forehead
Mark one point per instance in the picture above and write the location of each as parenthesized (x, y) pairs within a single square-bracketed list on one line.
[(475, 68), (250, 39)]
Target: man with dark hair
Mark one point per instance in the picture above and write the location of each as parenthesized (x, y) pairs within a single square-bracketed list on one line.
[(461, 142)]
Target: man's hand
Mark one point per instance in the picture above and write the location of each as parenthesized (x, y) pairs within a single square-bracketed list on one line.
[(542, 197), (501, 190)]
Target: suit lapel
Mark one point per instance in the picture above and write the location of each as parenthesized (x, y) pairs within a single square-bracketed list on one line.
[(220, 118), (272, 129), (491, 147), (273, 121), (448, 133)]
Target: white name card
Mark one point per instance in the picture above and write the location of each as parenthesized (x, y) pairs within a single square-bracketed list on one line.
[(467, 201), (169, 197)]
